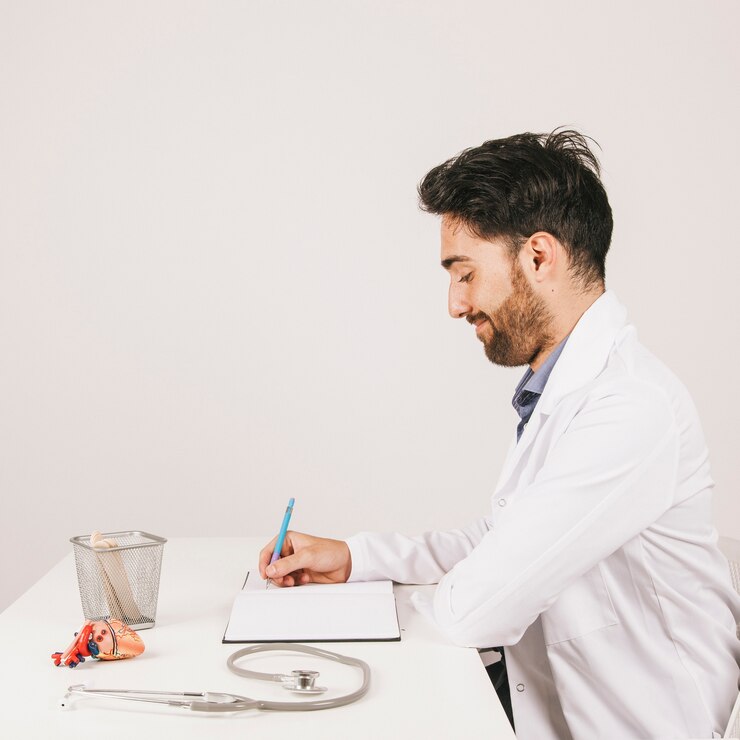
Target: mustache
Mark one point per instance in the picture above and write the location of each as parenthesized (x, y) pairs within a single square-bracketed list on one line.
[(477, 317)]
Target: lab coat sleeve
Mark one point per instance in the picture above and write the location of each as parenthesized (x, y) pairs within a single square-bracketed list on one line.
[(421, 559), (610, 475)]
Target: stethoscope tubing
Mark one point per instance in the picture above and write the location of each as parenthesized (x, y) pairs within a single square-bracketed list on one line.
[(200, 702), (299, 706)]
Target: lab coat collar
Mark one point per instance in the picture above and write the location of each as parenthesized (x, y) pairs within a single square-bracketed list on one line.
[(584, 356), (587, 350)]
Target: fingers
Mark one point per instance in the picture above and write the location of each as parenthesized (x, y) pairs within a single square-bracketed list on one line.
[(290, 563), (292, 579), (289, 546)]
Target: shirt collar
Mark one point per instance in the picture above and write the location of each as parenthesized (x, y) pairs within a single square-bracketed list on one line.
[(535, 382)]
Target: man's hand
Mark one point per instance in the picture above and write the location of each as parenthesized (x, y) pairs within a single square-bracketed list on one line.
[(306, 559)]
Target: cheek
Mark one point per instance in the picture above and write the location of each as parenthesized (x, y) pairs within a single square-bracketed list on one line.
[(485, 300), (494, 296)]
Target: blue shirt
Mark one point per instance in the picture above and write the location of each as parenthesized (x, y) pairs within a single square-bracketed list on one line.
[(531, 386)]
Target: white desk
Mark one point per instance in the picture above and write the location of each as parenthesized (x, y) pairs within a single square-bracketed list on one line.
[(421, 686)]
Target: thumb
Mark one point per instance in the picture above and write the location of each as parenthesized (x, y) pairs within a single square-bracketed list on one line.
[(288, 564)]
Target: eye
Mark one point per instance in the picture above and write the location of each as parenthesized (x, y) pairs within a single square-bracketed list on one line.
[(466, 278)]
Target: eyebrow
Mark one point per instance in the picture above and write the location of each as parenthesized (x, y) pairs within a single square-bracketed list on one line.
[(451, 260)]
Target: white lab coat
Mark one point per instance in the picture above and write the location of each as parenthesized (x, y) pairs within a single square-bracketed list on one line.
[(598, 565)]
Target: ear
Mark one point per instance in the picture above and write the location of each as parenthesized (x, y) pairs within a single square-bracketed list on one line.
[(541, 255)]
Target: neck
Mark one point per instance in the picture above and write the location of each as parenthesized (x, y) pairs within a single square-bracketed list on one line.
[(566, 313)]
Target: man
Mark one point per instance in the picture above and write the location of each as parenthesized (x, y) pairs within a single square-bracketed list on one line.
[(597, 568)]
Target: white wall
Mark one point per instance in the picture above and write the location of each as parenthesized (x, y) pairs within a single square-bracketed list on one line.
[(216, 291)]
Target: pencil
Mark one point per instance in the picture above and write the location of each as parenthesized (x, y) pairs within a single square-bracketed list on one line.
[(281, 535)]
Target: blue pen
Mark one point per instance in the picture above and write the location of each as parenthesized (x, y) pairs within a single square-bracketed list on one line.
[(281, 535)]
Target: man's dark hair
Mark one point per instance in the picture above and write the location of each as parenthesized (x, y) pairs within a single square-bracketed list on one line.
[(510, 188)]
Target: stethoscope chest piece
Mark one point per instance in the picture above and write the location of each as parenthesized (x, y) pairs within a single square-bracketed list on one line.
[(303, 682)]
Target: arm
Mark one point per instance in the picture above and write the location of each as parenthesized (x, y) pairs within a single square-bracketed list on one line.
[(367, 557), (422, 559), (609, 476)]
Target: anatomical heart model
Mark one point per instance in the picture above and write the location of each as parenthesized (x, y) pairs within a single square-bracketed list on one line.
[(104, 640)]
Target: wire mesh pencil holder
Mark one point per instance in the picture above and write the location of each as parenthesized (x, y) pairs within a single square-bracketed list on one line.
[(120, 582)]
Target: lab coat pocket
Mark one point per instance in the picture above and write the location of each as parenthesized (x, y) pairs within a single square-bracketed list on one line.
[(585, 606)]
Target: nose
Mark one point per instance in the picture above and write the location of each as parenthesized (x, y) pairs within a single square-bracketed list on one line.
[(457, 302)]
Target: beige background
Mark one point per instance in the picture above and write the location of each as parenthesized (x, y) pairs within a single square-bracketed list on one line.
[(216, 291)]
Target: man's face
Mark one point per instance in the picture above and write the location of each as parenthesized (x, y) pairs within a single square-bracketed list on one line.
[(491, 290)]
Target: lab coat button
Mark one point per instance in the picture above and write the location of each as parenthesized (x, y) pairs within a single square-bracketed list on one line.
[(520, 687), (502, 502)]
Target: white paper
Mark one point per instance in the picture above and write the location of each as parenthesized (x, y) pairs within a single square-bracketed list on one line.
[(314, 612)]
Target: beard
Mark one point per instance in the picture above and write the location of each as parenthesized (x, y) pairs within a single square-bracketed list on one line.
[(521, 324)]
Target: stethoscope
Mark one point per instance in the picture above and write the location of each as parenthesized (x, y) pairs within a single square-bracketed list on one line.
[(299, 681)]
